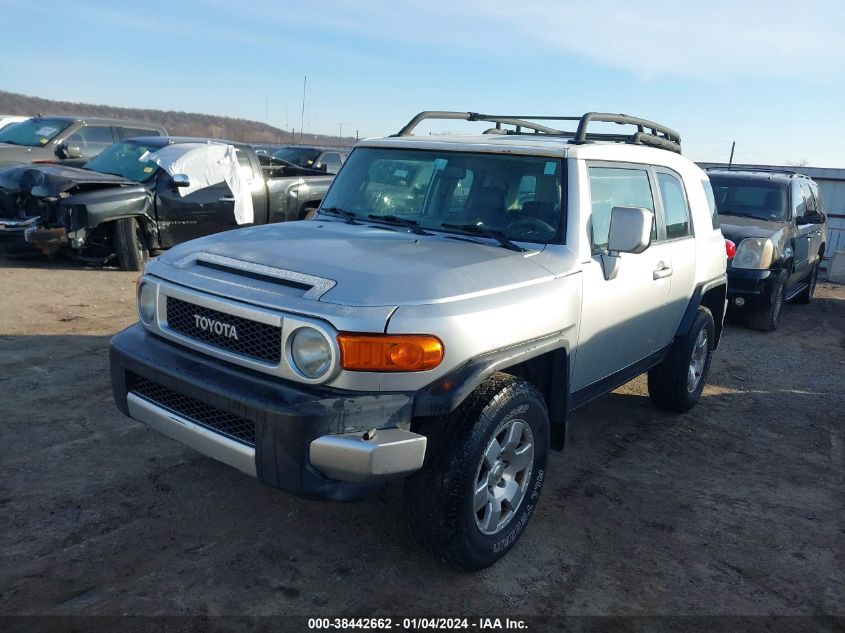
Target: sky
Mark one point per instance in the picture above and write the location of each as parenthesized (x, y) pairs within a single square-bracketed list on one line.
[(768, 75)]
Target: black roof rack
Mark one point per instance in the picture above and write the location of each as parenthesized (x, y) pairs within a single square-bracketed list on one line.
[(763, 170), (648, 132)]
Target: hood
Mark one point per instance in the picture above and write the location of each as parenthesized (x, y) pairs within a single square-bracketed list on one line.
[(737, 228), (51, 180), (11, 153), (373, 265)]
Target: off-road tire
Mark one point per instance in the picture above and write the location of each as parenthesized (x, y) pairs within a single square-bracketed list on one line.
[(129, 244), (668, 385), (439, 497), (767, 320), (806, 295)]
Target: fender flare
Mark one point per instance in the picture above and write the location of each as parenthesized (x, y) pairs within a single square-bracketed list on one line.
[(448, 392), (721, 283)]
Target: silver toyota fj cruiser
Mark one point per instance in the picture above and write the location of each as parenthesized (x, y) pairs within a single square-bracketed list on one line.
[(453, 301)]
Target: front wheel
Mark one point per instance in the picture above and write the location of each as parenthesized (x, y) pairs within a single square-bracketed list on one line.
[(677, 382), (129, 244), (484, 470), (767, 320)]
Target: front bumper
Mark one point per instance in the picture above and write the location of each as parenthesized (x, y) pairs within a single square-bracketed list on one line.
[(26, 234), (750, 289), (311, 441)]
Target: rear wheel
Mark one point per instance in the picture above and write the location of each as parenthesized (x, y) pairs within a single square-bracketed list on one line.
[(129, 244), (806, 295), (677, 382), (484, 469)]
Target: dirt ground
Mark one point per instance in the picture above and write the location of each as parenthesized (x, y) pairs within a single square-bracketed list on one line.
[(734, 508)]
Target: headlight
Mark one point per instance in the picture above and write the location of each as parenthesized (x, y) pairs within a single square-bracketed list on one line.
[(754, 252), (310, 352), (146, 302)]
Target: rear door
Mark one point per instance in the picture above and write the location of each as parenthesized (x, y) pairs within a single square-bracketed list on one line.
[(816, 237), (676, 237), (622, 319), (801, 197)]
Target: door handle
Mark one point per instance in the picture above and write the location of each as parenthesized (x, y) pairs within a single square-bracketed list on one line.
[(226, 199), (662, 273)]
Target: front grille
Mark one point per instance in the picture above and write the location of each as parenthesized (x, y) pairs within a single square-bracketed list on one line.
[(254, 339), (212, 418)]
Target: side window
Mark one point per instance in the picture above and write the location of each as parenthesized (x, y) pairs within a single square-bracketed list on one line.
[(674, 206), (809, 197), (616, 187), (91, 140), (711, 200), (799, 201), (132, 132), (331, 161), (817, 194)]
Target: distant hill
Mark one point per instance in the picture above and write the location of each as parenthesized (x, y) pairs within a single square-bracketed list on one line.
[(177, 123)]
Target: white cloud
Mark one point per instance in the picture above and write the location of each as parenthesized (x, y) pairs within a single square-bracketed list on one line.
[(652, 38)]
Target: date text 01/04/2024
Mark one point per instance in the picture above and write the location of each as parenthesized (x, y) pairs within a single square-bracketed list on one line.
[(414, 624)]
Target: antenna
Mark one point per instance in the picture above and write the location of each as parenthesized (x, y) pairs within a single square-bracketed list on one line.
[(731, 160), (302, 115)]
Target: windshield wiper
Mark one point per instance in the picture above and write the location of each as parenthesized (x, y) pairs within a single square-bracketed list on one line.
[(346, 215), (480, 230), (10, 143), (412, 225)]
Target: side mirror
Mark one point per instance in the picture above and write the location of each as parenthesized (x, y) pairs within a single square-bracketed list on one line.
[(181, 180), (630, 232), (71, 151), (813, 217)]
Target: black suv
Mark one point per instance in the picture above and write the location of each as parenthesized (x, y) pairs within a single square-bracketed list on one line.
[(775, 221)]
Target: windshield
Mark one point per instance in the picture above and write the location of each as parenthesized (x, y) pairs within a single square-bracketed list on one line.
[(516, 196), (33, 132), (121, 159), (750, 198), (302, 156)]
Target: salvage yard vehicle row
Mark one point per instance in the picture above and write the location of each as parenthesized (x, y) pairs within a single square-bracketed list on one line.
[(135, 198)]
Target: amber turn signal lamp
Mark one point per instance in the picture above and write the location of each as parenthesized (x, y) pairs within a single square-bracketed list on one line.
[(389, 352)]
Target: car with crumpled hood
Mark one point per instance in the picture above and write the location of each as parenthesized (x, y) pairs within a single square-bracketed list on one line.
[(147, 194)]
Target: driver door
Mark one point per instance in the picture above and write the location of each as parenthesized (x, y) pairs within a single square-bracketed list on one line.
[(621, 318)]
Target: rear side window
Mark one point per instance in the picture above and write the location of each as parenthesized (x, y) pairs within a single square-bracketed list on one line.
[(616, 187), (131, 132), (711, 200), (674, 206)]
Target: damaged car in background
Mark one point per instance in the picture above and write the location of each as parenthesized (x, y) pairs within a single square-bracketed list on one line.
[(146, 194)]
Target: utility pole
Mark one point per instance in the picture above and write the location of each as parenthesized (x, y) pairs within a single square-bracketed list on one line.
[(340, 130)]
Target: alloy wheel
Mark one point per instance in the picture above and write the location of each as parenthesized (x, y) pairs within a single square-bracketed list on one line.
[(503, 476)]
